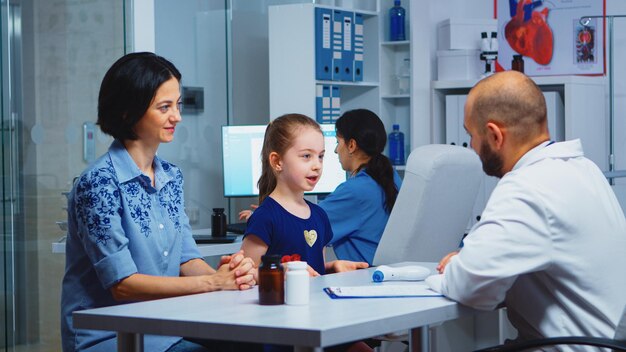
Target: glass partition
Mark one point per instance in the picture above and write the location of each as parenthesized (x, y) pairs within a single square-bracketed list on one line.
[(54, 54)]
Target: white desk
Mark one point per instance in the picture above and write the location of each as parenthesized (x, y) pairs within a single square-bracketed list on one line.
[(214, 249), (236, 315), (207, 250)]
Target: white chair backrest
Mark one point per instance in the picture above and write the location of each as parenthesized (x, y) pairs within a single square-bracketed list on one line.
[(433, 206)]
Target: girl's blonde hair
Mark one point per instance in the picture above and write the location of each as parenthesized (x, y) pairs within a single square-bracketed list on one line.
[(279, 137)]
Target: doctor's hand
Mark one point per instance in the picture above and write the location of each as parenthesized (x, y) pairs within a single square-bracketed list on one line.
[(338, 266), (245, 214), (443, 262)]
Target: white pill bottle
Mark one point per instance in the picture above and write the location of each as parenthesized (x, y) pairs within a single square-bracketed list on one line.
[(297, 284)]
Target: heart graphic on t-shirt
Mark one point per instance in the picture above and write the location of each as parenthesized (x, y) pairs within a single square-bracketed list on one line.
[(310, 237)]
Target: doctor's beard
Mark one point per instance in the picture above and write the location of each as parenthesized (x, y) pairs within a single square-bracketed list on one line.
[(492, 162)]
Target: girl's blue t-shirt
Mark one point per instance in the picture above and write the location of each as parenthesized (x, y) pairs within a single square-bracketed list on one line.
[(287, 234)]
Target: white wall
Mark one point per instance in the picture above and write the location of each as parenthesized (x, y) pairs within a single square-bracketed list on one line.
[(424, 19), (192, 34)]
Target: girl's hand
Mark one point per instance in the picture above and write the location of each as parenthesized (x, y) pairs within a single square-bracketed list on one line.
[(338, 266), (312, 271)]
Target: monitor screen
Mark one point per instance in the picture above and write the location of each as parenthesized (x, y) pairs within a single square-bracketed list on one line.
[(241, 155)]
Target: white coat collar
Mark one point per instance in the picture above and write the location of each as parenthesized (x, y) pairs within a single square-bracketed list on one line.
[(547, 150)]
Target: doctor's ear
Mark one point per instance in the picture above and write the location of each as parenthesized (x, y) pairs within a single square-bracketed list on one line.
[(495, 134), (275, 162)]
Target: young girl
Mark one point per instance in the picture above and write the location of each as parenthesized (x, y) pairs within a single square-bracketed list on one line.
[(285, 223)]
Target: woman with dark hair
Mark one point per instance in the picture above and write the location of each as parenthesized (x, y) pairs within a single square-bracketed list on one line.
[(128, 236), (359, 208)]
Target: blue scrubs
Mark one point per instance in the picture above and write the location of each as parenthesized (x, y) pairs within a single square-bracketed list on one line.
[(119, 225), (358, 217)]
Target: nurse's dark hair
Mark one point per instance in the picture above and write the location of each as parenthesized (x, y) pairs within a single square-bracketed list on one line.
[(127, 90), (370, 136), (279, 137)]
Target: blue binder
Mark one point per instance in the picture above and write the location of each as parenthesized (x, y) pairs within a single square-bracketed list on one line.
[(358, 47), (335, 103), (323, 103), (347, 54), (337, 45), (323, 41)]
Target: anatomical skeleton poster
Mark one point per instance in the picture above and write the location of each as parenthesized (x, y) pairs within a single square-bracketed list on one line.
[(551, 36)]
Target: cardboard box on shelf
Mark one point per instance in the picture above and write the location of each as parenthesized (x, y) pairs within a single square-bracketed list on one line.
[(463, 33), (454, 65)]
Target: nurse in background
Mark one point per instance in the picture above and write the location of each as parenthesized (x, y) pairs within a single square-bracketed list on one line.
[(359, 208)]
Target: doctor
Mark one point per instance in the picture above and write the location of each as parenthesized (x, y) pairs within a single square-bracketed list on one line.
[(552, 221)]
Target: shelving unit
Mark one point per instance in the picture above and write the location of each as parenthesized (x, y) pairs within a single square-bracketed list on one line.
[(584, 101), (395, 107), (583, 116), (292, 63)]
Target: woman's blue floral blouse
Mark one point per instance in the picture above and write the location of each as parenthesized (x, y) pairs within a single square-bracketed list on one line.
[(119, 225)]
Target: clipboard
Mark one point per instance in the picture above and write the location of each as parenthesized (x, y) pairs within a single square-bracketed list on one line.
[(381, 291)]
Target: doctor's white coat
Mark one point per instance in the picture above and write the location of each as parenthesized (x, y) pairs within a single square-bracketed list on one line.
[(550, 245)]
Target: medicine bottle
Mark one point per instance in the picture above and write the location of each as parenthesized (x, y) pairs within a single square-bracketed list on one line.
[(218, 223), (297, 284), (271, 281), (518, 63), (396, 146), (397, 14)]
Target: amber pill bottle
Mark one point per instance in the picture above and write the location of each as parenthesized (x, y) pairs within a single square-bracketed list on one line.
[(518, 63), (271, 281)]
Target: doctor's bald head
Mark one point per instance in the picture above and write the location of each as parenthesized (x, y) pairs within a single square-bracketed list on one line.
[(511, 100)]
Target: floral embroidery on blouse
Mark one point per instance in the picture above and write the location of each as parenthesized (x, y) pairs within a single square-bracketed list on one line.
[(98, 199), (170, 197), (92, 193)]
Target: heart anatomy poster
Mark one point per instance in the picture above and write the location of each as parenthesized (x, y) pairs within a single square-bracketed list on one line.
[(551, 36)]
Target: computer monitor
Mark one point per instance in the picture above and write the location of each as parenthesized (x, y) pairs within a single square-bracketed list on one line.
[(241, 156)]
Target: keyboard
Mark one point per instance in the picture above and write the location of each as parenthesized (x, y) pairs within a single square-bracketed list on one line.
[(203, 239), (238, 227)]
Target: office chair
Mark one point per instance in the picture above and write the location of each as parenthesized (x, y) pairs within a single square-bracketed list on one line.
[(433, 207), (618, 343)]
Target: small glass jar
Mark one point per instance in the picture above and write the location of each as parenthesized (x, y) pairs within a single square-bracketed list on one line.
[(271, 281), (518, 63)]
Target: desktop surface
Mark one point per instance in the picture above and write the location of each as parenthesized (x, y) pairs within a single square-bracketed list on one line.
[(236, 315)]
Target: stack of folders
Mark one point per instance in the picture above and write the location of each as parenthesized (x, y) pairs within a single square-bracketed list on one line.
[(339, 49), (328, 103)]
